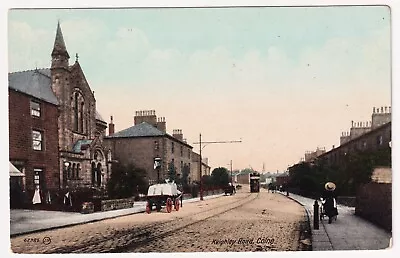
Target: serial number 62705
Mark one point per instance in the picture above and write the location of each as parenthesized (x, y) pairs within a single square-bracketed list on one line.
[(31, 240)]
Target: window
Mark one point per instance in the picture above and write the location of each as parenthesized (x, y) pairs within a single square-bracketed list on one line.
[(76, 111), (81, 129), (172, 147), (37, 140), (71, 174), (181, 151), (189, 153), (78, 167), (38, 177), (35, 108), (156, 146)]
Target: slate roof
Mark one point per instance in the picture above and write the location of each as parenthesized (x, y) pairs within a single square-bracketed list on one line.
[(78, 145), (36, 83), (140, 130), (98, 117)]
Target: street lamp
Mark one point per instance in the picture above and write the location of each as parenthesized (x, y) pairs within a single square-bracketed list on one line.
[(66, 166), (157, 166)]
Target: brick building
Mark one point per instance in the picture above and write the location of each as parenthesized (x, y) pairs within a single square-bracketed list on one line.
[(375, 139), (33, 138), (56, 134), (147, 140), (380, 116)]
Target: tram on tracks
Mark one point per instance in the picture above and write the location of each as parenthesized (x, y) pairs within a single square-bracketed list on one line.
[(255, 182)]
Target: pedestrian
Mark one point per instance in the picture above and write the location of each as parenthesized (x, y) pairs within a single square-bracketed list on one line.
[(36, 196)]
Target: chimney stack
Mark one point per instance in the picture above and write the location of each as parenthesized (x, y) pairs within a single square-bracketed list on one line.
[(161, 124), (177, 134), (111, 127), (148, 116)]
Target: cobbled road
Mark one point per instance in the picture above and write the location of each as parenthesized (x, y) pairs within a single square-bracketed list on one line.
[(242, 222)]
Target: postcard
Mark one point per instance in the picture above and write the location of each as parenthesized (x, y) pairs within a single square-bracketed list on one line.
[(200, 129)]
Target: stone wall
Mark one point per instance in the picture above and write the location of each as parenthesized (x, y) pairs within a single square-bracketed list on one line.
[(108, 205), (347, 200), (374, 203)]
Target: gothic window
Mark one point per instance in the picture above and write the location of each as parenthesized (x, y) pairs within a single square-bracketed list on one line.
[(37, 140), (72, 173), (78, 167), (76, 111), (81, 117)]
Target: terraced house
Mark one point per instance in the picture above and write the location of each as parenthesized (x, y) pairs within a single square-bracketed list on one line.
[(56, 134)]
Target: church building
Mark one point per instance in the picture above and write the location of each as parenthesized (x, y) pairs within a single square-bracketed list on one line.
[(55, 132)]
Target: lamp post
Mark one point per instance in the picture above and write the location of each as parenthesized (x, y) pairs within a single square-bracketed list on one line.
[(65, 175), (157, 167), (201, 161)]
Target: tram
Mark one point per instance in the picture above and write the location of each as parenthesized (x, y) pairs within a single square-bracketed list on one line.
[(255, 182)]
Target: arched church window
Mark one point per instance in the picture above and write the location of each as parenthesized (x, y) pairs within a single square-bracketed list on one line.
[(76, 111), (81, 117), (78, 167), (73, 170)]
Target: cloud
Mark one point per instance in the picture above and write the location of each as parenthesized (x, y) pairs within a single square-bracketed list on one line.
[(83, 35), (27, 46)]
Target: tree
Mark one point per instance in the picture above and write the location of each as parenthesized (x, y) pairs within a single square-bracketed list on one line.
[(126, 181), (185, 175), (171, 171), (220, 176)]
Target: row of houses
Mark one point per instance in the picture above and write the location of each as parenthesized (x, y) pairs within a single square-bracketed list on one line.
[(362, 136), (58, 141)]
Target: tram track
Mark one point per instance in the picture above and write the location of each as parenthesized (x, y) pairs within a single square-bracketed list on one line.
[(142, 235), (150, 239)]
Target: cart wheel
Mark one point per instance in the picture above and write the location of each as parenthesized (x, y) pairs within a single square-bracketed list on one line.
[(177, 204), (148, 208), (169, 205)]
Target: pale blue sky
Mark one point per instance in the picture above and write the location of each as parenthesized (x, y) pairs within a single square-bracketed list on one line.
[(285, 80)]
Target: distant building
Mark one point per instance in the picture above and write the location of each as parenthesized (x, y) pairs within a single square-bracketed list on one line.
[(311, 155), (195, 174)]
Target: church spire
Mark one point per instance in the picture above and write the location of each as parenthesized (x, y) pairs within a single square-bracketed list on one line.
[(59, 54)]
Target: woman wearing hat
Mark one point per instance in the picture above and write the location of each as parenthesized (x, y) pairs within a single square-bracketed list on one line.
[(329, 200)]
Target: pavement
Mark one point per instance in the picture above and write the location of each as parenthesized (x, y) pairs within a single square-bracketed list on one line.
[(348, 232), (29, 221)]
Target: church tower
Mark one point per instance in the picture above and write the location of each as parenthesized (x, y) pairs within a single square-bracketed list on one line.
[(59, 55), (60, 76)]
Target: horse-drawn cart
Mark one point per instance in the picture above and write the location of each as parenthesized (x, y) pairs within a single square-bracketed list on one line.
[(160, 195)]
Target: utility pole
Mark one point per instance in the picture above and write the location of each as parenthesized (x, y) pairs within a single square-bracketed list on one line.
[(231, 174), (201, 161)]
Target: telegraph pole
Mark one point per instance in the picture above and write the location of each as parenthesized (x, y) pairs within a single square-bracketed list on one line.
[(201, 161), (231, 174)]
